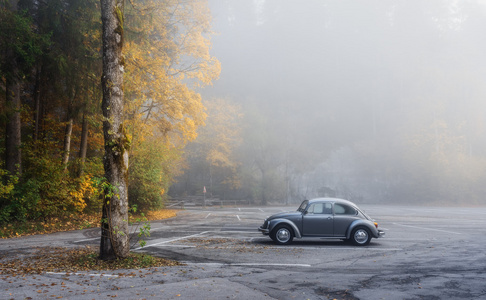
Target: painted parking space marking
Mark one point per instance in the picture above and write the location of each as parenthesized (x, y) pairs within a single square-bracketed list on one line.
[(267, 264), (81, 274), (178, 246), (324, 247), (246, 230), (85, 240), (427, 228), (251, 264), (172, 240)]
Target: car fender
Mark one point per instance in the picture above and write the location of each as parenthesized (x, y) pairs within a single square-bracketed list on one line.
[(364, 223), (275, 222)]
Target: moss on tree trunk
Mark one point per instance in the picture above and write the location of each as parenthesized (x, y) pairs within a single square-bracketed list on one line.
[(114, 240)]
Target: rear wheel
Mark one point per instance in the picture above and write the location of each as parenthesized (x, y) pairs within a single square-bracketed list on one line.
[(282, 235), (360, 236)]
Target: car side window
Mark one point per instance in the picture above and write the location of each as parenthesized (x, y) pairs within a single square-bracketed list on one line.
[(341, 209), (320, 208)]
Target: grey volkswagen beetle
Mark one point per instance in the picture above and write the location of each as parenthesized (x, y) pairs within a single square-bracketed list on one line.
[(329, 218)]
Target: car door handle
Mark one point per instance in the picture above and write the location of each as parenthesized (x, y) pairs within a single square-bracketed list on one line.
[(329, 218)]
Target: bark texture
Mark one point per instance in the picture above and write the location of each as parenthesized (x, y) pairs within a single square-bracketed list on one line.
[(114, 240), (67, 143), (83, 148)]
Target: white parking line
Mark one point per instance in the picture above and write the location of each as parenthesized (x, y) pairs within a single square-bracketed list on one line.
[(180, 246), (234, 230), (293, 248), (207, 216), (251, 264), (238, 218), (411, 239), (335, 248), (173, 240), (273, 265), (353, 248), (81, 274), (249, 208), (96, 238), (426, 228)]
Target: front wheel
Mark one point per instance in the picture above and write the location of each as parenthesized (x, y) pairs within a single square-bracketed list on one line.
[(282, 235), (360, 236)]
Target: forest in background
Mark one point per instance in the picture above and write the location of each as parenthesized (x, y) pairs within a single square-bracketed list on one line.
[(51, 122), (365, 104), (377, 101)]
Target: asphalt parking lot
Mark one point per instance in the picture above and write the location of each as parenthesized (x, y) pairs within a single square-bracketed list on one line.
[(427, 253)]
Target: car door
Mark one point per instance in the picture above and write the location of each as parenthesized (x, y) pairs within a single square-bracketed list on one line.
[(344, 215), (318, 220)]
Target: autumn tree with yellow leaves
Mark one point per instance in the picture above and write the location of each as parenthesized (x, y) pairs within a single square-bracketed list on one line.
[(165, 58)]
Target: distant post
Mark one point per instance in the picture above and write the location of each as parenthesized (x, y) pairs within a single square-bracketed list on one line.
[(204, 196)]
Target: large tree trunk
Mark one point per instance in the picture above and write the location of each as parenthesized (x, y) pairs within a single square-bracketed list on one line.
[(114, 238), (83, 148), (67, 142), (69, 129)]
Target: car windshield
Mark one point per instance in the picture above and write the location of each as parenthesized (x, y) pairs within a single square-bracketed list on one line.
[(303, 205)]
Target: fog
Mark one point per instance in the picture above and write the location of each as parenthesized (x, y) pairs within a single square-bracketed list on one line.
[(373, 101)]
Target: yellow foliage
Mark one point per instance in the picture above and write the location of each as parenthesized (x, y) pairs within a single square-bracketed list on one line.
[(167, 55), (217, 140), (161, 214), (85, 190), (222, 134)]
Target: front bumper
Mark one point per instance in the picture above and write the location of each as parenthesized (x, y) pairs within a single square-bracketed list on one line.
[(264, 231), (264, 228), (381, 233)]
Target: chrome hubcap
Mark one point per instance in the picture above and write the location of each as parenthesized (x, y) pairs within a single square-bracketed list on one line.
[(283, 235), (361, 236)]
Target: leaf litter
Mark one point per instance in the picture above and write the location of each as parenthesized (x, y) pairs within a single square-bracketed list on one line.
[(72, 260)]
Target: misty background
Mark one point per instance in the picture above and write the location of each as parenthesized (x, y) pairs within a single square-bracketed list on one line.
[(372, 101)]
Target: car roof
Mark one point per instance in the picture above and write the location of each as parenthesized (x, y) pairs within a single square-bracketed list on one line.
[(333, 200)]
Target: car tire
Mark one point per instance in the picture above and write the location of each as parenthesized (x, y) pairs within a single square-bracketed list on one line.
[(282, 235), (360, 236)]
